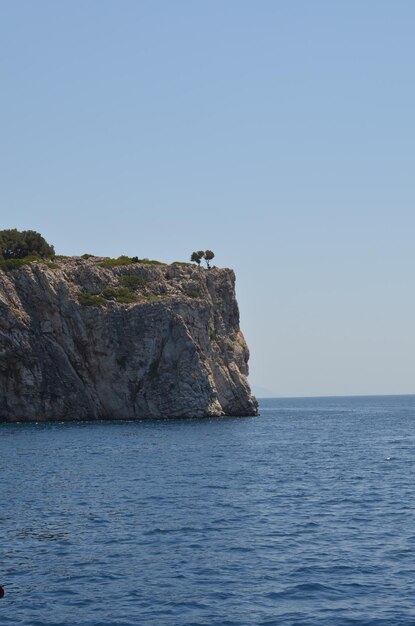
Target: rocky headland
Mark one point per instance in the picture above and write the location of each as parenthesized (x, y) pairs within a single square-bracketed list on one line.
[(86, 339)]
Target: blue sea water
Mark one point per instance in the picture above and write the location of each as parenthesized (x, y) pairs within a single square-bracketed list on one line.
[(304, 516)]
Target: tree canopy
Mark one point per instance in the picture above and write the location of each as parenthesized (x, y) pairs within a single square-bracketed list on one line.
[(15, 244), (207, 255), (197, 256)]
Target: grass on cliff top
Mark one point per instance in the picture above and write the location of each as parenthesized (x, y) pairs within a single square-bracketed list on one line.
[(11, 264), (151, 262), (183, 264), (127, 260), (121, 260)]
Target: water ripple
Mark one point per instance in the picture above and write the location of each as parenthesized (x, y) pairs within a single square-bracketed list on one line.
[(303, 517)]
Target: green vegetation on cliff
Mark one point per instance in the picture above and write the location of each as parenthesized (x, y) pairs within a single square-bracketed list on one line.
[(18, 248), (15, 244)]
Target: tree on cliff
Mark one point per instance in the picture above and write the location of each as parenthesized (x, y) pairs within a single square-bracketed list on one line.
[(197, 256), (16, 244), (208, 256)]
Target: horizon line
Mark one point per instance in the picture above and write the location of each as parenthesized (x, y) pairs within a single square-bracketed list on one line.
[(358, 395)]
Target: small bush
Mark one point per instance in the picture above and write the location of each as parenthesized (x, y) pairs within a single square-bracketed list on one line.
[(183, 263), (121, 260), (89, 299), (126, 260), (151, 262), (133, 282), (110, 293), (153, 298), (119, 294), (7, 265), (51, 265), (128, 298), (86, 256)]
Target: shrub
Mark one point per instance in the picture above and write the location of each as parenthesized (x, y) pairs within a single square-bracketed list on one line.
[(126, 260), (127, 298), (8, 265), (86, 256), (89, 299), (119, 294), (182, 263), (133, 282), (150, 262), (121, 260)]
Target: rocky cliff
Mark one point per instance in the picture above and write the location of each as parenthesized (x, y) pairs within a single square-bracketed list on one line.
[(84, 339)]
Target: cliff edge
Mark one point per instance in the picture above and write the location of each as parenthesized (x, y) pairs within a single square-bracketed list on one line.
[(83, 339)]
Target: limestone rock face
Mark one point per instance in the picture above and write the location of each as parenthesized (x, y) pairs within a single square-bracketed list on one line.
[(175, 351)]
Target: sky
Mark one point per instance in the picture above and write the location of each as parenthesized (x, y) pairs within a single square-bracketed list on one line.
[(279, 134)]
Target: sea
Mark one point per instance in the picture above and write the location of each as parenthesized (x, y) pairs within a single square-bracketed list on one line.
[(303, 516)]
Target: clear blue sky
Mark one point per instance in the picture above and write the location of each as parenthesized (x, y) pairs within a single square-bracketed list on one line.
[(280, 134)]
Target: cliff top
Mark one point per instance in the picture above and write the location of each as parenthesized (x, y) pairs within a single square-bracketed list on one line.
[(103, 281)]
